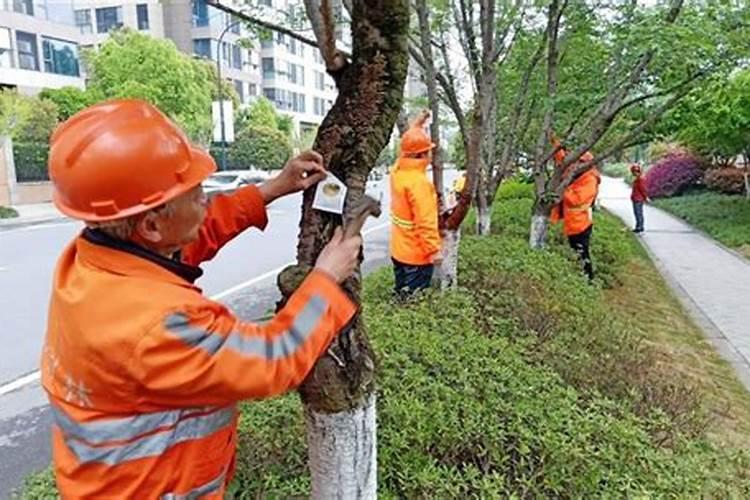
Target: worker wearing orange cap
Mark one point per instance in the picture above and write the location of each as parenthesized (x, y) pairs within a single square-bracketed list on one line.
[(415, 238), (575, 208), (142, 371)]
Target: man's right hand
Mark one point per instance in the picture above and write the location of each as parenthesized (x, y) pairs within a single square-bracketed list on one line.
[(340, 257)]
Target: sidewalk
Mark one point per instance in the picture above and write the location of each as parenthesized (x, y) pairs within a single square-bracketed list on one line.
[(36, 213), (712, 282)]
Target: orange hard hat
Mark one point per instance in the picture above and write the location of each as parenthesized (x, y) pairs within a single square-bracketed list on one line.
[(415, 141), (121, 158)]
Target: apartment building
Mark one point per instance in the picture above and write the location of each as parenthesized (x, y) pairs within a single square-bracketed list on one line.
[(39, 45), (292, 74)]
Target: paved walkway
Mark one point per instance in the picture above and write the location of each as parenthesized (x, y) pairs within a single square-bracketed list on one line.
[(712, 281), (35, 213)]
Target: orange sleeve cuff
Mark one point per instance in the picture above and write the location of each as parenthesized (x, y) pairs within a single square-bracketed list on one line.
[(253, 206)]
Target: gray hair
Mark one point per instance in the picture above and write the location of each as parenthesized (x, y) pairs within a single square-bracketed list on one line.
[(122, 229)]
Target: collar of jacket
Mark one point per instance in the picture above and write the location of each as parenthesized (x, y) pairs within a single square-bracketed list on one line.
[(412, 164), (139, 261)]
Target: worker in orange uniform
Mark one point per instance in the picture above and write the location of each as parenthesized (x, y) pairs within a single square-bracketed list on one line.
[(415, 238), (143, 372), (575, 208)]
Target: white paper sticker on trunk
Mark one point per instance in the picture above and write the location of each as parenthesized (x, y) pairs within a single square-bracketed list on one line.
[(330, 195)]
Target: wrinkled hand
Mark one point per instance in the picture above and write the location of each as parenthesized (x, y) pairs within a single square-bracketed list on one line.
[(340, 257), (298, 174)]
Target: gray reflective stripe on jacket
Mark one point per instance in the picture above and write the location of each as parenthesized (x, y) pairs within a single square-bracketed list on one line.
[(205, 489), (189, 427), (279, 346)]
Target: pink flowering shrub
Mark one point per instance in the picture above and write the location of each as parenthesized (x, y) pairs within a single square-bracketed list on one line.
[(672, 175)]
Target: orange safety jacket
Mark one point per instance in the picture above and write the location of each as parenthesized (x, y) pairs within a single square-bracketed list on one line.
[(415, 238), (143, 371), (575, 209)]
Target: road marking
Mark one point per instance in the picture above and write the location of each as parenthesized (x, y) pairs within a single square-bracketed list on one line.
[(19, 383), (34, 376)]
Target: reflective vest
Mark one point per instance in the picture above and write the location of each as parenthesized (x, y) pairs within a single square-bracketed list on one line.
[(575, 209), (143, 371), (415, 238)]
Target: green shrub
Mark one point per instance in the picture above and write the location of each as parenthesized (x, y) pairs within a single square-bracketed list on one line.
[(724, 217), (69, 100), (621, 170), (31, 161), (513, 189), (7, 213), (259, 147)]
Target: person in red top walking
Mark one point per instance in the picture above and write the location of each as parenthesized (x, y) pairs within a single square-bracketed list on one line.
[(638, 196)]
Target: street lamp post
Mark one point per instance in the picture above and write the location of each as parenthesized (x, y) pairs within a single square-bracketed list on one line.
[(219, 93)]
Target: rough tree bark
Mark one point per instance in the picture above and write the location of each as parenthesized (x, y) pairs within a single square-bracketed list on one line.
[(339, 393)]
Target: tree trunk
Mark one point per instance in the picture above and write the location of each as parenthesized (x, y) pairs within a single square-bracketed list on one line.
[(540, 214), (539, 227), (339, 392), (342, 449), (447, 273)]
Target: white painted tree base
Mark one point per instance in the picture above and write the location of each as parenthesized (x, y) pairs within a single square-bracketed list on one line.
[(484, 223), (538, 231), (447, 273), (342, 453)]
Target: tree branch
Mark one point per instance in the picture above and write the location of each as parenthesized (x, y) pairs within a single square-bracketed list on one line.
[(320, 14), (467, 37)]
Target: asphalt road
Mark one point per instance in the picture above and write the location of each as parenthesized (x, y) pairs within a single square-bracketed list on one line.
[(242, 275)]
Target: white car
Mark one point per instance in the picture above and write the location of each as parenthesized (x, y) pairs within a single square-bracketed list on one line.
[(227, 181)]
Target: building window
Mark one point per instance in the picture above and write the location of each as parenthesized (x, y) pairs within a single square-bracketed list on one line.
[(240, 88), (142, 13), (60, 57), (267, 3), (252, 89), (83, 20), (298, 102), (236, 25), (319, 80), (317, 106), (27, 51), (24, 7), (108, 18), (200, 13), (266, 43), (280, 37), (5, 59), (269, 70), (270, 94), (236, 57), (202, 47)]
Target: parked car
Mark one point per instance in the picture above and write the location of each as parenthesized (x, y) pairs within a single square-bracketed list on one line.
[(227, 181)]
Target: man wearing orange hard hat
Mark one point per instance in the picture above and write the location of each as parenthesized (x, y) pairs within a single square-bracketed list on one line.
[(576, 207), (415, 237), (142, 371)]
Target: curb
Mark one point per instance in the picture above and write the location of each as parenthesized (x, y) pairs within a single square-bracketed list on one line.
[(17, 222)]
